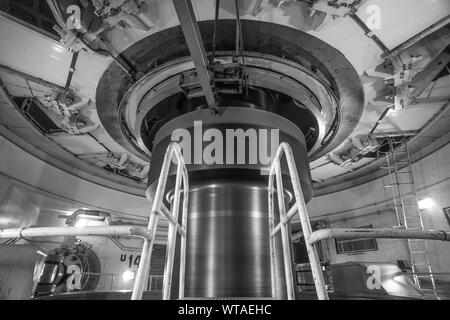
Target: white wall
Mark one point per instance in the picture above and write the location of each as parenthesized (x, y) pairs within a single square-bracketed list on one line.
[(358, 206), (371, 204), (388, 250), (33, 193)]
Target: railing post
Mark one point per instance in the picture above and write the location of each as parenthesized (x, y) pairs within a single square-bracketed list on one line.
[(272, 244), (183, 238), (144, 264), (172, 237), (314, 260), (285, 236)]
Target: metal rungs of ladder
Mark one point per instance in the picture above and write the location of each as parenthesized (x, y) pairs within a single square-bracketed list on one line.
[(172, 216), (407, 172), (181, 180), (399, 169), (402, 163), (275, 175), (398, 185), (408, 214)]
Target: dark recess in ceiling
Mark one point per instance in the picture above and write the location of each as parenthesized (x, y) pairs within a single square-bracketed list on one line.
[(33, 12)]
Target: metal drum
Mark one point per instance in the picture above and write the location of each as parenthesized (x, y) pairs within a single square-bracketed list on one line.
[(228, 241), (228, 232)]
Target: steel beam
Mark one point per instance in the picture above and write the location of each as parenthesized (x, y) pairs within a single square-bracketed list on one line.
[(194, 41), (29, 77), (369, 33), (430, 100), (424, 78), (424, 33), (387, 134), (56, 11)]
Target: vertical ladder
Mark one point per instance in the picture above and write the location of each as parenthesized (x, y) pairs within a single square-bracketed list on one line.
[(182, 187), (172, 216), (275, 175), (409, 216)]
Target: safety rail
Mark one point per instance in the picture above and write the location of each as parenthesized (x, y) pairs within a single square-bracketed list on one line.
[(110, 282), (173, 217), (148, 234), (300, 207), (313, 237), (394, 233)]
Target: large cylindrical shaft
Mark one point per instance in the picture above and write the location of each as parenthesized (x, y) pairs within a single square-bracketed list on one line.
[(228, 241), (228, 223)]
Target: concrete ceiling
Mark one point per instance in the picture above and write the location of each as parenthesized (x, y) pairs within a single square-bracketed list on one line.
[(35, 65)]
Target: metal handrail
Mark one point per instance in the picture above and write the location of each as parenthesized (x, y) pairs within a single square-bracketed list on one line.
[(148, 234), (275, 171), (174, 227)]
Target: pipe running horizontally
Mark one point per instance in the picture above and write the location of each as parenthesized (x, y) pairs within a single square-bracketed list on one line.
[(377, 234), (32, 232)]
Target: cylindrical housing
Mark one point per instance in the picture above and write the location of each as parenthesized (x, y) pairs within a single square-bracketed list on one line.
[(228, 241), (228, 227)]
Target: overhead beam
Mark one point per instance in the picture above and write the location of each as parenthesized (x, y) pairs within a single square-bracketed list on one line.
[(424, 33), (386, 134), (369, 33), (29, 77), (56, 11), (424, 78), (430, 100), (188, 22)]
